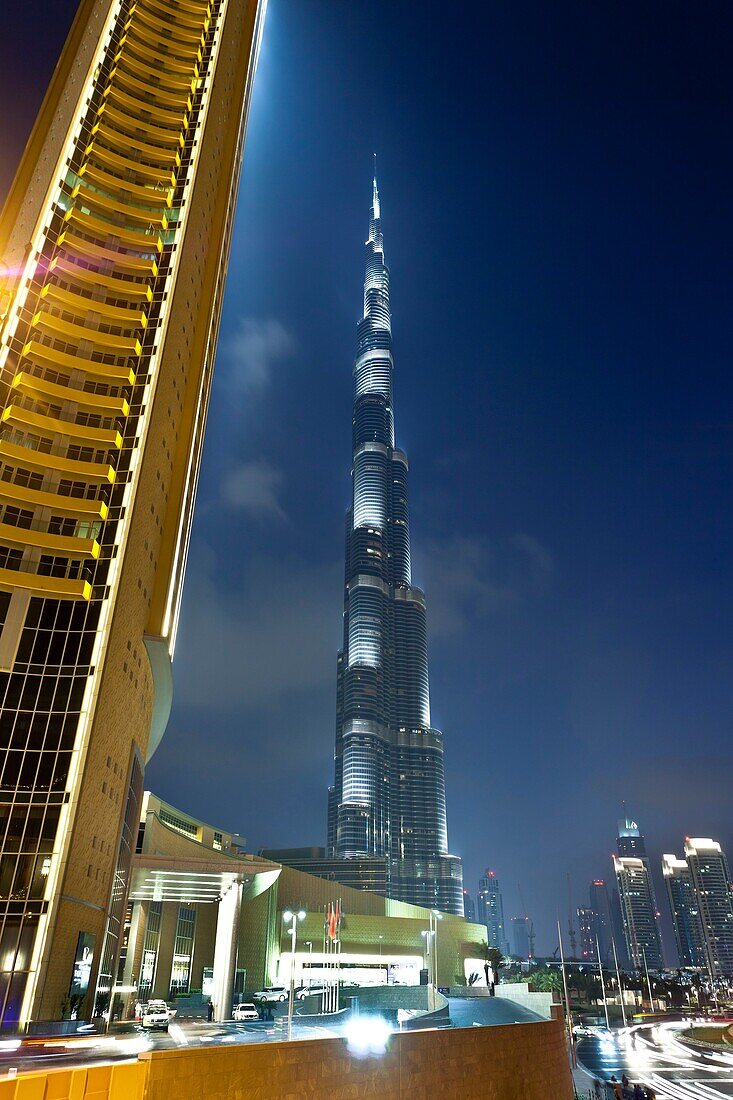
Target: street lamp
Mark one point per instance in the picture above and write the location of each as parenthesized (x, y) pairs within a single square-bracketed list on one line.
[(289, 917), (309, 945), (380, 938)]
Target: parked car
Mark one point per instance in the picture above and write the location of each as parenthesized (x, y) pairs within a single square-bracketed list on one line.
[(271, 994), (307, 991), (156, 1016), (245, 1012)]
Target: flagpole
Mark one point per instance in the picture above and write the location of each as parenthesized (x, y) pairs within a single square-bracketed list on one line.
[(567, 998), (603, 984), (618, 979)]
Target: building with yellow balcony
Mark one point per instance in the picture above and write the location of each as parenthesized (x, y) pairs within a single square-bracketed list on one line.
[(114, 242)]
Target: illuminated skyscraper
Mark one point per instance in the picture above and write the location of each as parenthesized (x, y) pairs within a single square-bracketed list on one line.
[(587, 932), (710, 874), (641, 927), (601, 906), (114, 243), (685, 910), (389, 792), (491, 910)]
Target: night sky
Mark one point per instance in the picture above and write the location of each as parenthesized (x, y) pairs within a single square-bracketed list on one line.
[(555, 184)]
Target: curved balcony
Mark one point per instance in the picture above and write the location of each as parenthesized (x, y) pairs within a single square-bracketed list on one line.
[(127, 289), (188, 20), (114, 185), (185, 45), (104, 341), (110, 203), (150, 95), (157, 52), (109, 438), (137, 264), (45, 356), (81, 305), (157, 135), (150, 71), (155, 173), (166, 153), (61, 546), (80, 507), (63, 588), (31, 385), (138, 105), (93, 472)]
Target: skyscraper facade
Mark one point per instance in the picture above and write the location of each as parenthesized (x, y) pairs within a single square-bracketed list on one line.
[(641, 927), (491, 910), (389, 792), (588, 932), (469, 909), (601, 906), (685, 910), (114, 243), (520, 937), (710, 874)]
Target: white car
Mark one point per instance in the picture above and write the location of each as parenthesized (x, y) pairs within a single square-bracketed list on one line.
[(245, 1012), (308, 991), (156, 1015), (271, 994)]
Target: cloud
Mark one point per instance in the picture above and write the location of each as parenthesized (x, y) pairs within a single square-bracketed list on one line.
[(253, 488), (257, 643), (467, 578), (253, 351)]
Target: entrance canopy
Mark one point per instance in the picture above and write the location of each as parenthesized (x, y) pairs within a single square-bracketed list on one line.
[(189, 879)]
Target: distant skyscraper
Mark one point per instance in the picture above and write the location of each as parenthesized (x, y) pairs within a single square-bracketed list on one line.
[(469, 909), (641, 927), (490, 910), (710, 875), (114, 243), (588, 929), (685, 910), (617, 924), (389, 790), (520, 936), (601, 906)]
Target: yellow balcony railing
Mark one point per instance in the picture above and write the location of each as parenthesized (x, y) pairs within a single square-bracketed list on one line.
[(80, 305), (105, 341), (116, 186), (64, 588), (108, 438), (46, 356), (93, 472), (33, 386), (76, 245), (81, 507), (121, 286), (61, 546)]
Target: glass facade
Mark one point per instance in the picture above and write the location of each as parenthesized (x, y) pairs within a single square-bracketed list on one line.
[(388, 799), (710, 875), (685, 911)]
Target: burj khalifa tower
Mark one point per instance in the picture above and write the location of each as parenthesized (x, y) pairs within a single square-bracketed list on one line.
[(388, 798)]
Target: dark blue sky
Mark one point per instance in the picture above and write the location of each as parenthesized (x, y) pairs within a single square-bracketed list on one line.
[(555, 183)]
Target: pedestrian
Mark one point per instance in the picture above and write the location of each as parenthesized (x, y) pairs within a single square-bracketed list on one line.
[(650, 1093), (639, 1093), (210, 1011), (615, 1087)]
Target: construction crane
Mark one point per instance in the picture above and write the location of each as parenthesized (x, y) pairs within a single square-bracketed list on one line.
[(530, 929)]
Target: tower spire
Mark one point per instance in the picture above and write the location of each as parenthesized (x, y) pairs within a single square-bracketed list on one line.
[(375, 192)]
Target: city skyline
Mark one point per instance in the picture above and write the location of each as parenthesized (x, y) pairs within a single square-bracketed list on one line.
[(610, 653)]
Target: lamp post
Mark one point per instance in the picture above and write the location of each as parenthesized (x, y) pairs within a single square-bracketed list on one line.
[(380, 938), (289, 917), (309, 945)]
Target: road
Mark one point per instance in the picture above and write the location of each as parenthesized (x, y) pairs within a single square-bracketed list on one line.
[(65, 1052), (653, 1055)]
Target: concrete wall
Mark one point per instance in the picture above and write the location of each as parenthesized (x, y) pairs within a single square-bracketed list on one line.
[(519, 992), (516, 1062)]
